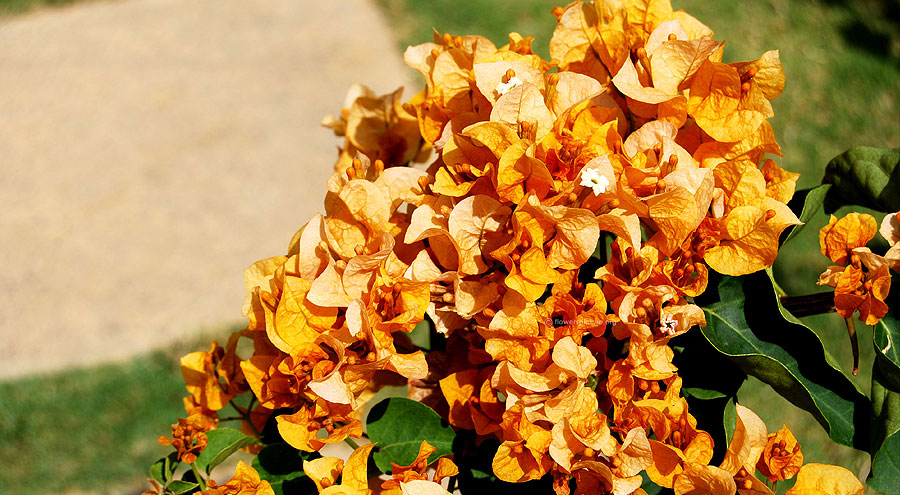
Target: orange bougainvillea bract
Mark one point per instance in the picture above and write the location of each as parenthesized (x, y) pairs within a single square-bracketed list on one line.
[(477, 206)]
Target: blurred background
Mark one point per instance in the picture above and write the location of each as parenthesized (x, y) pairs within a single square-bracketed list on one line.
[(152, 149)]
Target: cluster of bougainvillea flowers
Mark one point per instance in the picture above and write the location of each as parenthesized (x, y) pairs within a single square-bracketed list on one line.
[(476, 204), (860, 278)]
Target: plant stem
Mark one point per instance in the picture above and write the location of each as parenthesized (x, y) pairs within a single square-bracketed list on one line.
[(349, 441), (245, 414), (812, 304), (200, 479), (854, 343)]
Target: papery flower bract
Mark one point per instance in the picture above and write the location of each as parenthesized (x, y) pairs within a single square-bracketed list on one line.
[(473, 402), (353, 473), (413, 478), (201, 372), (840, 237), (823, 479), (890, 230), (189, 436), (747, 443), (522, 455), (781, 458), (301, 429), (863, 291), (324, 471), (698, 479), (245, 481)]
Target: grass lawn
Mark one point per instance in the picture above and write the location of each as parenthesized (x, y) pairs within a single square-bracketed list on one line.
[(12, 7), (89, 430)]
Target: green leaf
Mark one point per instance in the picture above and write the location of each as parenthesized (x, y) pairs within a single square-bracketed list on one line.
[(729, 420), (886, 337), (702, 393), (399, 426), (748, 325), (649, 486), (385, 392), (421, 335), (222, 443), (163, 469), (885, 434), (179, 487), (886, 466), (811, 201), (282, 466), (866, 177)]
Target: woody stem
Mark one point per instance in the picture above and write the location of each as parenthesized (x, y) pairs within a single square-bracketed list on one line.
[(854, 343), (812, 304), (349, 441), (245, 414)]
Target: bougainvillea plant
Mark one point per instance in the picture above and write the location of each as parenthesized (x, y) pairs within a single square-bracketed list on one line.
[(555, 274)]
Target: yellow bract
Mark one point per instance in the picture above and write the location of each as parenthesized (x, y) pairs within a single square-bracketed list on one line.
[(551, 221), (244, 482), (822, 479)]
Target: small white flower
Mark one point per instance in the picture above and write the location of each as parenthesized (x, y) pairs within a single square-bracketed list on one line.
[(668, 325), (506, 87), (591, 177)]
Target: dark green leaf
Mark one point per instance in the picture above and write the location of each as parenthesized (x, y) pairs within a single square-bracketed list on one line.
[(886, 466), (749, 325), (280, 462), (866, 177), (399, 426), (805, 204), (179, 487), (222, 443), (886, 337), (163, 469), (295, 486), (885, 433)]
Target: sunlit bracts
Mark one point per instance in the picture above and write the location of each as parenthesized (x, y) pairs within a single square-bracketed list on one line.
[(562, 216)]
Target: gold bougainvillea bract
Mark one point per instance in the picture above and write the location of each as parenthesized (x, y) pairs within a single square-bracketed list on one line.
[(476, 205)]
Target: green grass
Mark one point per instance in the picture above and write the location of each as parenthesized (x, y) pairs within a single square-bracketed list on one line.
[(90, 430), (842, 64), (13, 7)]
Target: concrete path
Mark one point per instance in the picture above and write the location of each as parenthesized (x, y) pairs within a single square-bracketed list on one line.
[(152, 149)]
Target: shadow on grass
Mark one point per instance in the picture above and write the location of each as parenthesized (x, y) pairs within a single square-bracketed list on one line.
[(872, 26)]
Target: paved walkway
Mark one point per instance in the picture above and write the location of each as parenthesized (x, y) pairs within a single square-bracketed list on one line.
[(152, 149)]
